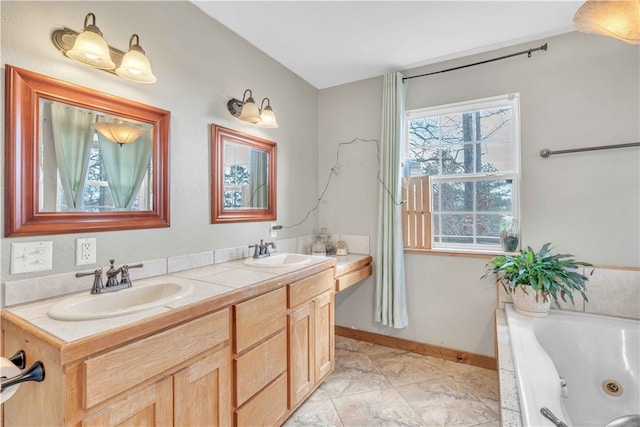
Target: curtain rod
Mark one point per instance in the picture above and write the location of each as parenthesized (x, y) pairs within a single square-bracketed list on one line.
[(546, 152), (528, 52)]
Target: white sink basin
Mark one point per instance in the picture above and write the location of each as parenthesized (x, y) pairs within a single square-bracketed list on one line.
[(118, 303), (279, 260)]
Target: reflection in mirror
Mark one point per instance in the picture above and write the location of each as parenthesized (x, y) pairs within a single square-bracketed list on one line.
[(92, 161), (243, 177), (246, 178), (78, 160)]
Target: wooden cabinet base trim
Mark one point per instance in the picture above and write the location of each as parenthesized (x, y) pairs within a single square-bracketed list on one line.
[(445, 353)]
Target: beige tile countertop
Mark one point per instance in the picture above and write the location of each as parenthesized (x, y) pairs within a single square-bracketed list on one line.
[(214, 286), (350, 262)]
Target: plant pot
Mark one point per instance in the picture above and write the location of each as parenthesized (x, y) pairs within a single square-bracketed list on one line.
[(526, 304)]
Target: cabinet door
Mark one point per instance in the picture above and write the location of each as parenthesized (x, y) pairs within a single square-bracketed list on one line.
[(152, 406), (202, 392), (324, 335), (301, 353)]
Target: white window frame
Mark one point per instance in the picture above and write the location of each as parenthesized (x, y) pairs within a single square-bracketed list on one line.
[(513, 100)]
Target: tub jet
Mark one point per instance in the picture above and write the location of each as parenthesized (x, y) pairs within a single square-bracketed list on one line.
[(612, 387)]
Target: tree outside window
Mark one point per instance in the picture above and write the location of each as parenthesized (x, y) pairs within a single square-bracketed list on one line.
[(469, 151)]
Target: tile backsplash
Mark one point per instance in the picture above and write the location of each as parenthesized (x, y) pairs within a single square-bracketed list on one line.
[(33, 289), (611, 291)]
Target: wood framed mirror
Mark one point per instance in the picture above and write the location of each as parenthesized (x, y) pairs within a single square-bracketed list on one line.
[(243, 177), (78, 160)]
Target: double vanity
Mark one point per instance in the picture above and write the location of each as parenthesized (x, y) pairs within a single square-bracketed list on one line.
[(238, 343)]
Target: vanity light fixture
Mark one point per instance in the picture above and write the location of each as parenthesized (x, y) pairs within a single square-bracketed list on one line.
[(619, 19), (88, 47), (119, 133), (248, 111)]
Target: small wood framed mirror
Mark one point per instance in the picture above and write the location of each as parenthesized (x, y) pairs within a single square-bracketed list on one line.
[(78, 160), (243, 177)]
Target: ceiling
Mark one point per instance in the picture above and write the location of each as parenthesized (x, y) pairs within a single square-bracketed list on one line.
[(328, 43)]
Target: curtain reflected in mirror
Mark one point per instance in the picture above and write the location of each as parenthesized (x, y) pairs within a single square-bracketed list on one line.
[(243, 184), (91, 161)]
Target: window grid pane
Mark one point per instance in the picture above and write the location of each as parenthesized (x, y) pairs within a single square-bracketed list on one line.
[(470, 152)]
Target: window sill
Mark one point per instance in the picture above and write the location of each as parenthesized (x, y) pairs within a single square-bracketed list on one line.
[(452, 252)]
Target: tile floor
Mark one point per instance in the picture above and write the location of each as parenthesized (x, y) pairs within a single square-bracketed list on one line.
[(380, 386)]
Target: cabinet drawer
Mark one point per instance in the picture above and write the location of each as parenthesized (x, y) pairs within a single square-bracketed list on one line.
[(353, 277), (266, 408), (305, 289), (258, 318), (111, 373), (259, 366)]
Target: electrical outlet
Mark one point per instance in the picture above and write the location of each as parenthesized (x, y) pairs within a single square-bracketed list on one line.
[(86, 251), (274, 232)]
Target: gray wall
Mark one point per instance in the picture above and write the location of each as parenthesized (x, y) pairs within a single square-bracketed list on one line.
[(584, 91), (200, 65)]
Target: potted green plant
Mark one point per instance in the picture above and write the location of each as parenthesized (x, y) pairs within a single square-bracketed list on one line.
[(534, 279)]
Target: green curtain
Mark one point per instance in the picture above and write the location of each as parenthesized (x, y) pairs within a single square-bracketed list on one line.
[(391, 304), (72, 139), (125, 167)]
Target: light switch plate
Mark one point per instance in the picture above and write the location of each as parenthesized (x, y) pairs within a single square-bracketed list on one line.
[(31, 256), (86, 251)]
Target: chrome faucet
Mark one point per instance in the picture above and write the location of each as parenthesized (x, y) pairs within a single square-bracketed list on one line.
[(261, 250), (112, 275), (112, 278)]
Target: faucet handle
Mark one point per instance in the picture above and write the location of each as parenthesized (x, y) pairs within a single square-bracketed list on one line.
[(266, 247), (97, 286), (125, 279), (255, 249)]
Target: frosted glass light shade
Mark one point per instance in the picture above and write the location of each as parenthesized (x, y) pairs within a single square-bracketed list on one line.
[(250, 112), (618, 19), (120, 133), (91, 49), (268, 118), (135, 66)]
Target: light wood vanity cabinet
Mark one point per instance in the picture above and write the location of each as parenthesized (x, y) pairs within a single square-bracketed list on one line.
[(311, 329), (180, 376), (250, 360)]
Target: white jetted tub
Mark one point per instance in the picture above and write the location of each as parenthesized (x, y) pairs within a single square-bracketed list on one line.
[(583, 367)]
